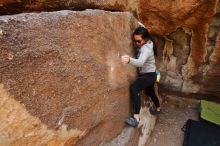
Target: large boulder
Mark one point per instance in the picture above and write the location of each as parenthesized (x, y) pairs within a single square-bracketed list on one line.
[(187, 36), (187, 44), (61, 77)]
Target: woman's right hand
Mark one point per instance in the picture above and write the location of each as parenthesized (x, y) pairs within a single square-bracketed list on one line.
[(125, 59)]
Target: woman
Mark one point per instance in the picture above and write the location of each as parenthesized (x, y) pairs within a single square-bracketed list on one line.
[(147, 73)]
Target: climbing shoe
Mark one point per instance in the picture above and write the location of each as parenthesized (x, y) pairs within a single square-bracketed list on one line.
[(153, 111), (131, 121)]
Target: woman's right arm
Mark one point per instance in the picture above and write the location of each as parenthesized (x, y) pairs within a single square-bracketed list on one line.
[(144, 54)]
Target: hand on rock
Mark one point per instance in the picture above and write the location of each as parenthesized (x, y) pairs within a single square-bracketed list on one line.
[(125, 59)]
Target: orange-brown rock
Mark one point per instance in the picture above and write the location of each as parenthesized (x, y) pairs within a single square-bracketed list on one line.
[(63, 68), (15, 6), (211, 76), (65, 74), (164, 17), (189, 29)]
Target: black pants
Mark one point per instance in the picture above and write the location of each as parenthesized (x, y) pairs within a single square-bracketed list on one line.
[(143, 82)]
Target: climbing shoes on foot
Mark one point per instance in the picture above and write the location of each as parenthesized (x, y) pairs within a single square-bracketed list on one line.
[(153, 111), (131, 121)]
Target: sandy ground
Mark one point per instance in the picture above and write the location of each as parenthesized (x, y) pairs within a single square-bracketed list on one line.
[(176, 111)]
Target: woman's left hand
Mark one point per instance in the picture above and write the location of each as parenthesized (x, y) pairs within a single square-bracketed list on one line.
[(125, 59)]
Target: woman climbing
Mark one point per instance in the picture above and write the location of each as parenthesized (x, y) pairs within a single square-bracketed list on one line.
[(146, 73)]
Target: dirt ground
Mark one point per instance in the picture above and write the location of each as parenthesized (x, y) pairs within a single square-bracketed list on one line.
[(176, 111)]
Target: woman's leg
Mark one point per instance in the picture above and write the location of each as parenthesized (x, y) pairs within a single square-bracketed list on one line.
[(135, 97), (136, 101), (151, 92), (140, 83)]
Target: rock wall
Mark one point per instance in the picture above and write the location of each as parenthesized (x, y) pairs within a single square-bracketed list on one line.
[(211, 80), (62, 79), (60, 71), (186, 35), (188, 44)]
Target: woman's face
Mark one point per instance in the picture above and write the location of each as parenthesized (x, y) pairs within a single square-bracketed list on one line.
[(138, 40)]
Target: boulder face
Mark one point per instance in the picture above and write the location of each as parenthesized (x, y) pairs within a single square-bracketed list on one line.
[(63, 70)]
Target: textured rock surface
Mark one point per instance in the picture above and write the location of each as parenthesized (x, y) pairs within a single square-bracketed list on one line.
[(187, 32), (17, 6), (211, 80), (18, 127), (63, 68), (163, 17), (14, 6), (188, 44)]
